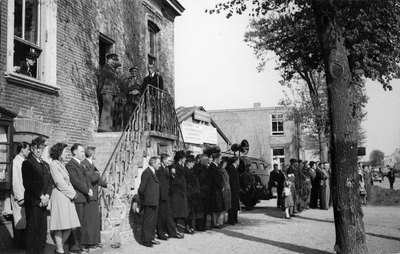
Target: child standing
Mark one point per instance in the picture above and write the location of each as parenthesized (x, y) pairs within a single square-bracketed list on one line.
[(288, 199)]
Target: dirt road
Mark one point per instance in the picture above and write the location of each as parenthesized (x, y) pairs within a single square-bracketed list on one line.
[(264, 230)]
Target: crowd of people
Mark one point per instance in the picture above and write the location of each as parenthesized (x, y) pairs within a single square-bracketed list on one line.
[(67, 191), (301, 186), (188, 194)]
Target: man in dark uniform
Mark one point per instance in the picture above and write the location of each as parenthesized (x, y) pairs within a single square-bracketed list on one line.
[(132, 93), (38, 185), (276, 179), (107, 91), (27, 65), (165, 223), (149, 192)]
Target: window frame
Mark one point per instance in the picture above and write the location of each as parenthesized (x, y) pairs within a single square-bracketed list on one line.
[(280, 157), (152, 29), (277, 132), (47, 42)]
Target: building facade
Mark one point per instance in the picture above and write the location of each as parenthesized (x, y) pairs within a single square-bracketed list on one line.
[(271, 136), (56, 97)]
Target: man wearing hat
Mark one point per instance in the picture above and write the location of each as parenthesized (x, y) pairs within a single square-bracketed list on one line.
[(132, 91), (27, 65), (38, 185), (107, 91)]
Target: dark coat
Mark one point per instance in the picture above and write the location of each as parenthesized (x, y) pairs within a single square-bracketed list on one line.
[(37, 180), (149, 189), (204, 179), (163, 176), (108, 80), (235, 186), (156, 81), (94, 177), (79, 180), (178, 193), (217, 202), (193, 194), (277, 176)]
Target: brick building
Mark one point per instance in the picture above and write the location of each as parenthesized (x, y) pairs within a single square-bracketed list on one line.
[(271, 136), (57, 98)]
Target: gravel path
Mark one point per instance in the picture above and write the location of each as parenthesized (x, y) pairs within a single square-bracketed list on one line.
[(264, 230)]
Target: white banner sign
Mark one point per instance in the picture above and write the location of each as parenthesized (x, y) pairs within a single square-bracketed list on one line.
[(198, 134)]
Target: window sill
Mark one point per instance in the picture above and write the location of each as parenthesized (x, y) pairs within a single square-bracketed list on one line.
[(27, 81)]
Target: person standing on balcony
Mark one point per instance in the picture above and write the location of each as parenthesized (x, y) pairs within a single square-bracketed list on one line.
[(38, 185), (91, 237), (83, 188), (132, 93), (18, 194), (107, 92), (149, 192), (153, 79)]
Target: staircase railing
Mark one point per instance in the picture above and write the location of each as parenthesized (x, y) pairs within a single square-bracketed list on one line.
[(155, 112)]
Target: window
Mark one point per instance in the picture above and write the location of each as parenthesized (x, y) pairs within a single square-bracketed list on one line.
[(4, 153), (254, 167), (277, 124), (278, 156), (153, 42), (32, 43), (263, 167)]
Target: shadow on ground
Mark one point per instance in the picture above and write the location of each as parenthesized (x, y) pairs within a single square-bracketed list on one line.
[(282, 245)]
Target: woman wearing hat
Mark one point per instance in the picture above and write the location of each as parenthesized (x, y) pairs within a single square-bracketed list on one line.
[(178, 188)]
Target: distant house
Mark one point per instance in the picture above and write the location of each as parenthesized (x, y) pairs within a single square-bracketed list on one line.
[(199, 130), (393, 160), (271, 136)]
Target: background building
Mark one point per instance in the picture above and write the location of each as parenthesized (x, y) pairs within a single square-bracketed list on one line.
[(270, 135)]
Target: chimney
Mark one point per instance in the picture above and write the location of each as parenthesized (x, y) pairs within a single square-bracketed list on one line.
[(257, 105)]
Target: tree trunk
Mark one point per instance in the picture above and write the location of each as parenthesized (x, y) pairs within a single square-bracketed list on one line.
[(350, 233), (323, 147)]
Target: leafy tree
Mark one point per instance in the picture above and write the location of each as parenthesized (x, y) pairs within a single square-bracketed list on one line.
[(376, 158), (358, 39)]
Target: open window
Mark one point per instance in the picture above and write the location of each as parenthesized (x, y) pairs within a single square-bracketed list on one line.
[(153, 40)]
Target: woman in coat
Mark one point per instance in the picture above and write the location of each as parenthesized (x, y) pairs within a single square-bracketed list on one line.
[(193, 195), (178, 188), (63, 216), (226, 194)]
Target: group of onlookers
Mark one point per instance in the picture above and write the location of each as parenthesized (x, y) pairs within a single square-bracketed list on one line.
[(301, 186), (178, 195), (67, 191)]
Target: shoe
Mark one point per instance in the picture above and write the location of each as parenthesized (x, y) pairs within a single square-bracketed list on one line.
[(56, 252), (155, 242), (201, 229), (289, 218), (292, 215), (217, 227), (75, 251), (147, 244), (178, 236), (188, 231), (164, 238)]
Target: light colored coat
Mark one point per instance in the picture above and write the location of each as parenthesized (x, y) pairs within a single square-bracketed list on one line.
[(62, 209), (18, 193)]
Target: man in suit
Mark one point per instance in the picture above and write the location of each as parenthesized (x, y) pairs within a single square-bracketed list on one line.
[(234, 182), (149, 192), (202, 172), (152, 79), (38, 185), (91, 237), (276, 179), (84, 191), (107, 92), (132, 88), (165, 223)]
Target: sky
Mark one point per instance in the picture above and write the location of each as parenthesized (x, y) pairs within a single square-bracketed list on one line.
[(216, 69)]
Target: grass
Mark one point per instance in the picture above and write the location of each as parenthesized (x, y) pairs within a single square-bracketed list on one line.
[(385, 197)]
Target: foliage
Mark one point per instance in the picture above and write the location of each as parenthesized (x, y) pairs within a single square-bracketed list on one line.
[(376, 158), (288, 29)]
